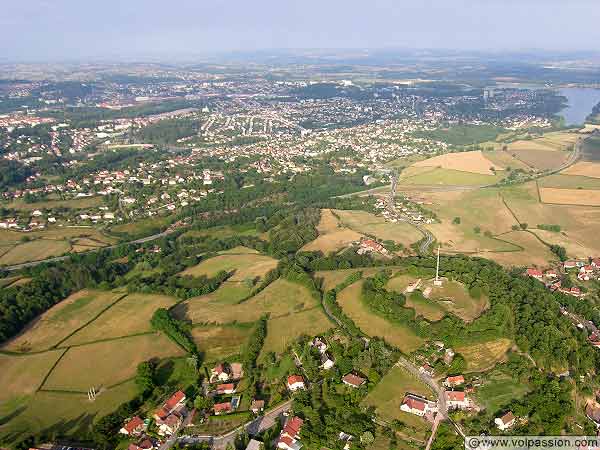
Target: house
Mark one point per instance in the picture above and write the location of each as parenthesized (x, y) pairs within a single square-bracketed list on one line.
[(457, 400), (416, 405), (583, 276), (133, 427), (169, 425), (295, 382), (320, 345), (505, 422), (454, 381), (551, 273), (346, 438), (176, 403), (222, 408), (220, 372), (145, 444), (569, 265), (596, 262), (370, 245), (255, 445), (353, 380), (289, 438), (225, 388), (326, 361), (594, 339), (534, 273), (448, 357), (257, 406)]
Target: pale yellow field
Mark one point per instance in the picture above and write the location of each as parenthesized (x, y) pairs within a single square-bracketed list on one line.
[(280, 298), (534, 253), (61, 320), (485, 355), (247, 265), (585, 197), (473, 162), (332, 235), (331, 278), (130, 315), (35, 251), (574, 247), (504, 159), (107, 363), (367, 223), (584, 168), (22, 375)]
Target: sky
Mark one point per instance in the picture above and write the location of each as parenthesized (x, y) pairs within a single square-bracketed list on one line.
[(86, 29)]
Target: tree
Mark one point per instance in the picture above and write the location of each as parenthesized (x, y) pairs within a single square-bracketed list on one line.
[(456, 221), (144, 377), (202, 403)]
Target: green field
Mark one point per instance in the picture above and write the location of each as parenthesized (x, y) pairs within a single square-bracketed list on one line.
[(282, 331), (280, 298), (137, 308), (373, 325), (449, 177), (219, 342), (143, 227), (463, 135), (61, 320), (223, 232), (50, 203), (388, 395), (499, 389)]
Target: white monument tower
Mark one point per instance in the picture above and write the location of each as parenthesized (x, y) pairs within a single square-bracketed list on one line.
[(438, 281)]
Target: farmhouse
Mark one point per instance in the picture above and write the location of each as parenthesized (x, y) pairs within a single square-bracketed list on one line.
[(457, 400), (505, 422), (295, 382), (416, 405), (353, 380), (133, 427)]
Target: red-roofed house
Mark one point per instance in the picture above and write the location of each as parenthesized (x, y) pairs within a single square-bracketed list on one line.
[(596, 262), (175, 403), (454, 381), (505, 422), (457, 399), (534, 273), (145, 444), (226, 388), (551, 273), (289, 438), (134, 427), (222, 408), (169, 425), (220, 372), (295, 382), (353, 380), (415, 405)]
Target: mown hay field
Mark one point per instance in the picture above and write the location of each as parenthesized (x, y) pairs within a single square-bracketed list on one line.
[(584, 197), (584, 168), (108, 363), (485, 355), (560, 181), (474, 162), (61, 320), (219, 342)]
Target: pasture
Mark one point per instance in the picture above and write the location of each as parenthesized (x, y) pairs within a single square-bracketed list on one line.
[(369, 224), (282, 331), (387, 397), (137, 308), (473, 162), (61, 320), (107, 363), (372, 324), (450, 177), (485, 355), (280, 298)]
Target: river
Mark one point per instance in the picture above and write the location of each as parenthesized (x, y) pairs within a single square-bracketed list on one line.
[(581, 102)]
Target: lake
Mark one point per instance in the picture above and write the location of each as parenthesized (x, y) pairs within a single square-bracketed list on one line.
[(581, 102)]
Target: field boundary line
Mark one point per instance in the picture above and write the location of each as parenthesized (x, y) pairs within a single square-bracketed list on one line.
[(97, 341), (40, 387), (63, 391), (89, 321)]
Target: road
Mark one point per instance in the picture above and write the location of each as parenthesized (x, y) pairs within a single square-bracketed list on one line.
[(391, 206), (254, 427), (63, 258)]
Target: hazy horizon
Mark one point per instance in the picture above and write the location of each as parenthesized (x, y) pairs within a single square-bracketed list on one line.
[(69, 29)]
